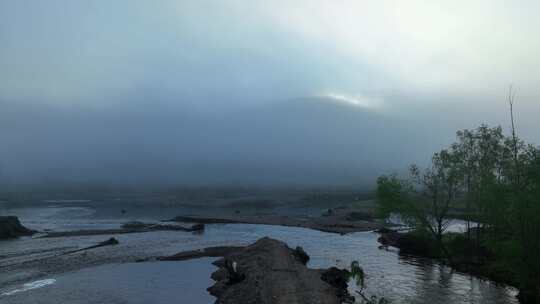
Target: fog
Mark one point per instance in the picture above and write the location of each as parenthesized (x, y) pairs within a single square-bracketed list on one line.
[(253, 93)]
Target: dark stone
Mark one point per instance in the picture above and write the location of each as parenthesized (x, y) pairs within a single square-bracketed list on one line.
[(218, 288), (111, 241), (233, 272), (336, 277), (301, 255), (219, 262), (11, 227), (220, 274)]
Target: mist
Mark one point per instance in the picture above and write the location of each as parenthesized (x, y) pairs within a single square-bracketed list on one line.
[(235, 93)]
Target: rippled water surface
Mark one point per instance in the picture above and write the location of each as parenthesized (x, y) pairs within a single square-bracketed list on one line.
[(400, 279), (134, 283)]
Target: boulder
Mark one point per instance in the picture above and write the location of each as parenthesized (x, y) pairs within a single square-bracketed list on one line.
[(11, 227), (269, 272), (301, 255), (336, 277)]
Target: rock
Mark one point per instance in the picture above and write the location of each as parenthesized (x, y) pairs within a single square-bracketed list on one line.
[(234, 274), (336, 277), (111, 241), (269, 272), (301, 255), (220, 275), (11, 227), (219, 262)]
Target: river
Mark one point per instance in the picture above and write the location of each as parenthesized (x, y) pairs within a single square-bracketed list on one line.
[(397, 278)]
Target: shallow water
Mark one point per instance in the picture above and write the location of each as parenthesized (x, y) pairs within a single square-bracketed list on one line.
[(399, 279), (134, 283)]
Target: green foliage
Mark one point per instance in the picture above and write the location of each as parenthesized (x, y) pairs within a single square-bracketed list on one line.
[(423, 201), (392, 195), (357, 273), (496, 178)]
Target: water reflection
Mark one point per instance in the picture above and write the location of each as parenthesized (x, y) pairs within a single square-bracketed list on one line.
[(442, 284), (133, 283), (401, 279)]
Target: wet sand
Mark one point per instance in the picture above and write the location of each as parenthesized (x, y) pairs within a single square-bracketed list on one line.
[(124, 230), (338, 222)]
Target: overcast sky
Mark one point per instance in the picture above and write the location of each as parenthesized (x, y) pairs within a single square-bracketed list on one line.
[(285, 92)]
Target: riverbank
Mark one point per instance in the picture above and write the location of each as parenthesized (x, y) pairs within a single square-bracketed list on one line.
[(134, 260), (269, 272), (462, 254), (11, 227), (337, 220), (129, 227)]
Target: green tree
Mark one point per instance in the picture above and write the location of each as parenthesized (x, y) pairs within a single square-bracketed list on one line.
[(423, 200)]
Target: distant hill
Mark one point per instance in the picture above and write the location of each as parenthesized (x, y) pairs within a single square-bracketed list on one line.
[(304, 141)]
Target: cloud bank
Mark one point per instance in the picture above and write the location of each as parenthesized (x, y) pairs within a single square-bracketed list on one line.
[(314, 92)]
